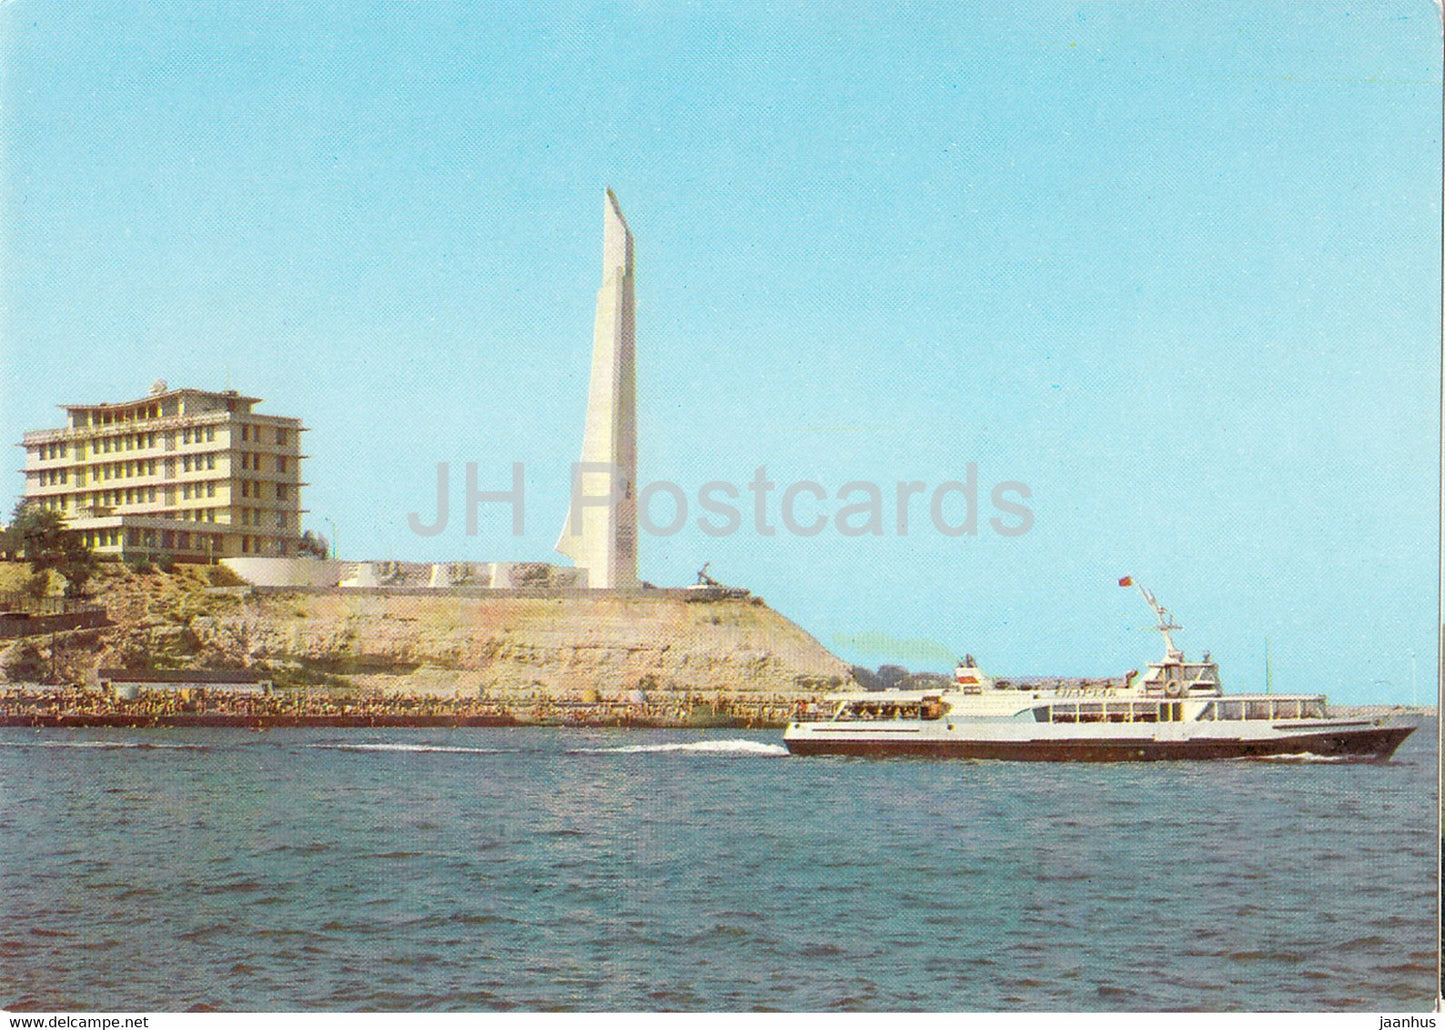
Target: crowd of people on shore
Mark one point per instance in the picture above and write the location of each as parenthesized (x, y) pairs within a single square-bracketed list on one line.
[(19, 706)]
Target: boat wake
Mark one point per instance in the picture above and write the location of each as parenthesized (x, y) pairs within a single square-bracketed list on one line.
[(411, 748), (1306, 757), (711, 747), (107, 745)]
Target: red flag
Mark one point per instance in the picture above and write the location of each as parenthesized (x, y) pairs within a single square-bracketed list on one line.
[(1126, 582)]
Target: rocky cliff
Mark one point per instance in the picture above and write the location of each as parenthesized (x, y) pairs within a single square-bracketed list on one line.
[(572, 646)]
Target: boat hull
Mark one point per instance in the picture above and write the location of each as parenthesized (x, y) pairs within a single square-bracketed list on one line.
[(1375, 744)]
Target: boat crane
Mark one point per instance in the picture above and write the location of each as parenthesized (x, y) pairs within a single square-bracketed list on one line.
[(1166, 620)]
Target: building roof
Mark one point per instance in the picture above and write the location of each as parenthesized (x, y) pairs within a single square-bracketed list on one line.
[(184, 675), (226, 394)]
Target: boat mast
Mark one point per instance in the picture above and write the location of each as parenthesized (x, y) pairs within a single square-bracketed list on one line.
[(1166, 623)]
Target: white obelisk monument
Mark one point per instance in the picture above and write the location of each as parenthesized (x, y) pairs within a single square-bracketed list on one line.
[(601, 531)]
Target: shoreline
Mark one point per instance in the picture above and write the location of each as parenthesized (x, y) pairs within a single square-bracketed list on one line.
[(595, 715), (267, 722)]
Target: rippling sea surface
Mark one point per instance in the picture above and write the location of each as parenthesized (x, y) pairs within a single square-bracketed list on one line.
[(536, 869)]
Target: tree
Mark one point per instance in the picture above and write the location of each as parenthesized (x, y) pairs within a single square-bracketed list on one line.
[(40, 537), (313, 543), (889, 676)]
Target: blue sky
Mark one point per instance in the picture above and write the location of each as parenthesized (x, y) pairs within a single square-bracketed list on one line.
[(1175, 267)]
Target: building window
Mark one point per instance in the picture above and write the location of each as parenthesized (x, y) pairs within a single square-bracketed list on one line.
[(210, 461), (210, 489), (280, 438), (281, 491), (281, 463), (245, 433)]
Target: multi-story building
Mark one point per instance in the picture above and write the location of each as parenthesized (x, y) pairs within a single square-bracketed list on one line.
[(184, 474)]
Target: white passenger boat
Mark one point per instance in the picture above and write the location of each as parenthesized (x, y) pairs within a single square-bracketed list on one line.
[(1176, 710)]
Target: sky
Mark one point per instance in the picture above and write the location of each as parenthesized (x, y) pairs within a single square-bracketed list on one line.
[(1171, 268)]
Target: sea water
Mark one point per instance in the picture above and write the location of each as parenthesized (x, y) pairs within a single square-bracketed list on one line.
[(540, 869)]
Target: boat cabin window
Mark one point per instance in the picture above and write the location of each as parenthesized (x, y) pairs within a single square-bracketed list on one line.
[(1105, 711), (928, 708), (1266, 708)]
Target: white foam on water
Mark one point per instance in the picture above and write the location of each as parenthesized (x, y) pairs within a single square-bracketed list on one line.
[(105, 744), (1305, 756), (410, 748), (711, 747)]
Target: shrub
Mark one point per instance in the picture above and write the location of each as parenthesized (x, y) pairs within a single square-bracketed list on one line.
[(37, 585), (221, 576)]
